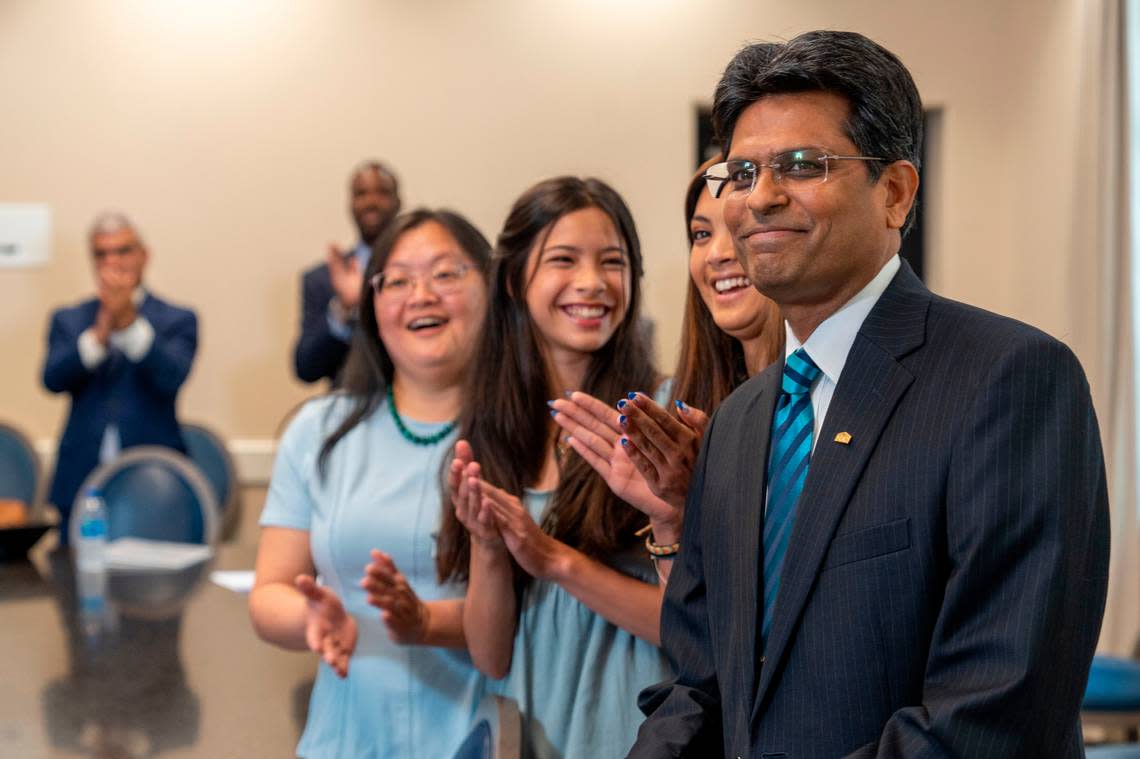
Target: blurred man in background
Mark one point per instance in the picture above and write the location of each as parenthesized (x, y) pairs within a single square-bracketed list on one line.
[(330, 292), (122, 356)]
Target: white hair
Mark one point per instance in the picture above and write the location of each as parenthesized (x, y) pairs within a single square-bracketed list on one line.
[(110, 222)]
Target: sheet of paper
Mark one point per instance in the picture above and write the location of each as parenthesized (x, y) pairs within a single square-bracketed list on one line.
[(239, 580), (141, 554)]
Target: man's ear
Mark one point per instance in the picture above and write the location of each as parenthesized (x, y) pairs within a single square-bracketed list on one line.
[(900, 180)]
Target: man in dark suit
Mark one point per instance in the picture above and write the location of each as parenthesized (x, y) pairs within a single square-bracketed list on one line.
[(896, 540), (330, 291), (122, 357)]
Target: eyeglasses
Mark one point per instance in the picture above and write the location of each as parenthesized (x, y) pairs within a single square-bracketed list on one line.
[(444, 279), (803, 167)]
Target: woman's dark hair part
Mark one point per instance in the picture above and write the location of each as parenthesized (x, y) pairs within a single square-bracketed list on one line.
[(505, 415), (711, 363), (369, 369), (886, 111)]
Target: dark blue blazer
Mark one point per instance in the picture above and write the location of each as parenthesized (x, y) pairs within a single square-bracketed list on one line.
[(138, 397), (318, 353), (946, 574)]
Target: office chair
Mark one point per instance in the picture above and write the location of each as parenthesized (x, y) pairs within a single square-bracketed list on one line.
[(207, 450)]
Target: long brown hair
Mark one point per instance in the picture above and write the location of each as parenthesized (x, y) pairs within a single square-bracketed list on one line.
[(711, 364), (505, 417)]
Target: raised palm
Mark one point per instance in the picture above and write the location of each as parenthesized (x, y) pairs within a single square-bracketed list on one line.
[(330, 630)]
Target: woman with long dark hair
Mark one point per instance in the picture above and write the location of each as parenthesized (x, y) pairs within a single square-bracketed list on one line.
[(358, 471), (729, 333), (561, 599)]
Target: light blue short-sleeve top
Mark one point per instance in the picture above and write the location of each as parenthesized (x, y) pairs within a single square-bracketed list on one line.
[(575, 675), (380, 491)]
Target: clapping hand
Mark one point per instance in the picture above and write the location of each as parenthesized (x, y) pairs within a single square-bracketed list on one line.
[(401, 610), (595, 431), (116, 289), (662, 446), (497, 520), (538, 554), (345, 276), (330, 631), (464, 485)]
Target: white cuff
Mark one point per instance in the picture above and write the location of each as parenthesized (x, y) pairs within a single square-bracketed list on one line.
[(91, 351), (135, 340)]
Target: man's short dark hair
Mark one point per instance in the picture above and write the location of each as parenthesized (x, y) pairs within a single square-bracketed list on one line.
[(886, 110), (380, 168)]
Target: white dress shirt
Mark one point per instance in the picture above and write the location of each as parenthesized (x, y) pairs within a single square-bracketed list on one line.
[(829, 345), (831, 341)]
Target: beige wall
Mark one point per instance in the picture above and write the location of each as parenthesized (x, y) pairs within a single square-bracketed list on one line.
[(227, 129)]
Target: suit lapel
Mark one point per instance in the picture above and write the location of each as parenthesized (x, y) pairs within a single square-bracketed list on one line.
[(871, 386), (745, 517), (148, 307)]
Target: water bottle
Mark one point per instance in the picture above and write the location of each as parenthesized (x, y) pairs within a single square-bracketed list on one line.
[(93, 611), (92, 543), (91, 566)]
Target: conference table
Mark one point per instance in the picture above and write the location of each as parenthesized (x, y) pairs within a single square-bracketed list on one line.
[(169, 667)]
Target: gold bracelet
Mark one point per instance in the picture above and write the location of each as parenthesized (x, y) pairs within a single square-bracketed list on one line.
[(656, 551)]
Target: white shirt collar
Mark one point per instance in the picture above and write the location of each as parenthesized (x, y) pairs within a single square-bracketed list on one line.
[(138, 296), (831, 341)]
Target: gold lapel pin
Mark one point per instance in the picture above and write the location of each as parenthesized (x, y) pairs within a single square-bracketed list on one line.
[(843, 438)]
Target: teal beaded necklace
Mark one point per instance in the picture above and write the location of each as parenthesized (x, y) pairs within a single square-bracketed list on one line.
[(410, 436)]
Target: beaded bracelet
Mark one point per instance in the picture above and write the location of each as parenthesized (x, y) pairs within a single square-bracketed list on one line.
[(656, 551)]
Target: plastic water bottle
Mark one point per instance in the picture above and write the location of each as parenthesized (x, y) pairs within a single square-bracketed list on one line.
[(91, 566), (91, 546), (93, 610)]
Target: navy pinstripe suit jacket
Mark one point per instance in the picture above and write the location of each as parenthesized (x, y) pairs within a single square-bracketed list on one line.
[(945, 580)]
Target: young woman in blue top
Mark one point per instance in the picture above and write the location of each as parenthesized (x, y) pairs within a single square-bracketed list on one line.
[(730, 331), (360, 470), (562, 598)]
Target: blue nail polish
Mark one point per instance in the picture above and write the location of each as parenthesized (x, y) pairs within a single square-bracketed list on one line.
[(680, 404), (631, 396), (621, 420), (550, 403), (567, 393), (625, 441), (554, 412), (621, 403)]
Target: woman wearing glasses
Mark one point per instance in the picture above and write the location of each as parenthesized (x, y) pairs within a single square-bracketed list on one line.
[(729, 333), (359, 470)]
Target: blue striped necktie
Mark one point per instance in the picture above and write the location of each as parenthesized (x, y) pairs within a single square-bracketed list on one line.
[(787, 470)]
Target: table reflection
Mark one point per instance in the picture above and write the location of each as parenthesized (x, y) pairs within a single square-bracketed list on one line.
[(126, 692), (167, 665)]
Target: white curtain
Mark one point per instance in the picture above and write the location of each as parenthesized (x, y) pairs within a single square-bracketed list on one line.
[(1103, 271)]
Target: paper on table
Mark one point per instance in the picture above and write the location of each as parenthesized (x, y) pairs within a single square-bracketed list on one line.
[(239, 581), (139, 553)]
